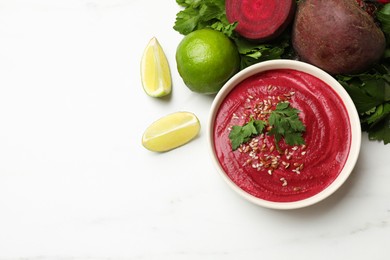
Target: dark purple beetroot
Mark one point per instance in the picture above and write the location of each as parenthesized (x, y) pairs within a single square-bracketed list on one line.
[(260, 20), (337, 36)]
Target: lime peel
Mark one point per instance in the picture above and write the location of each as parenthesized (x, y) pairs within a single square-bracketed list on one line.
[(206, 59), (155, 71), (171, 131)]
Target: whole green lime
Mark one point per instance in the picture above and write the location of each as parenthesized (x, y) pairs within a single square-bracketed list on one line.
[(206, 59)]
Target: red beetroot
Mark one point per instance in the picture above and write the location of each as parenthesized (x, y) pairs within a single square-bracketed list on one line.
[(337, 36), (260, 20)]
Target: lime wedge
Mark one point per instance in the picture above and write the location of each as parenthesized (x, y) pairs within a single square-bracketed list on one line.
[(155, 72), (171, 131)]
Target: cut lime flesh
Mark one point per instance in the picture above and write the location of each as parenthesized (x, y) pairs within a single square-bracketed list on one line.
[(155, 71), (171, 131)]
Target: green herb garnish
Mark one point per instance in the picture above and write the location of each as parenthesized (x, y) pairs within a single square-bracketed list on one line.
[(199, 14), (242, 134), (283, 122)]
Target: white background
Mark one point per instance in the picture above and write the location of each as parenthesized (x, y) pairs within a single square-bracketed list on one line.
[(76, 183)]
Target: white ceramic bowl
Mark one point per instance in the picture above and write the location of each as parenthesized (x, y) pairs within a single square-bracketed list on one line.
[(330, 81)]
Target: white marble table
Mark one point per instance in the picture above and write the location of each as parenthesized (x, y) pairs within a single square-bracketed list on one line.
[(76, 183)]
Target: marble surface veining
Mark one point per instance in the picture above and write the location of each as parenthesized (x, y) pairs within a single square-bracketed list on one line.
[(76, 184)]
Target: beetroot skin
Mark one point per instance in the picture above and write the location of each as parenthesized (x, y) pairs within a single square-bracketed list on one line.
[(337, 36), (260, 20)]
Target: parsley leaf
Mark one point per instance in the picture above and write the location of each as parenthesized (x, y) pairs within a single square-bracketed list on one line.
[(380, 113), (198, 14), (370, 93), (285, 123), (381, 131), (242, 134), (383, 15), (252, 52)]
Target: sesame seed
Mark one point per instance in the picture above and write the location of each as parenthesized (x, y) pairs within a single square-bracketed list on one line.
[(284, 181), (296, 170), (247, 162)]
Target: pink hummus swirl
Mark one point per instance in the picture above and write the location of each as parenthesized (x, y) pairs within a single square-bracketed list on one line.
[(291, 173)]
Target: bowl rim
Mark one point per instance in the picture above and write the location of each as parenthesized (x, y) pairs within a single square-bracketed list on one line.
[(356, 134)]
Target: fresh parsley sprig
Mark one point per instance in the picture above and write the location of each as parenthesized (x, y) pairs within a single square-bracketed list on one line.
[(283, 122), (199, 14), (242, 134)]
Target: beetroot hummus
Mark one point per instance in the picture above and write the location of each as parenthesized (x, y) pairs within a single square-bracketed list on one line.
[(289, 173)]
